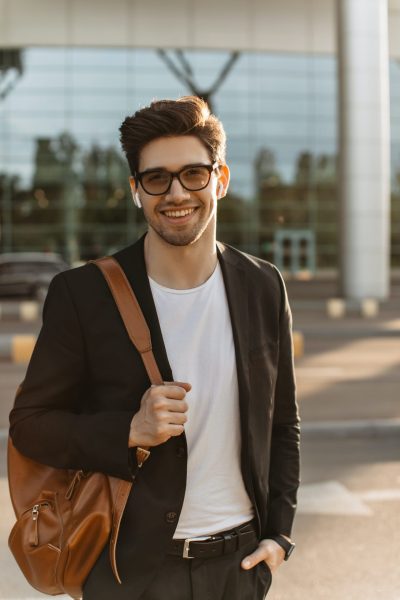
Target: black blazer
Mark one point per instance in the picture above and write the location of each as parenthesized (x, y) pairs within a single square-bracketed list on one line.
[(85, 381)]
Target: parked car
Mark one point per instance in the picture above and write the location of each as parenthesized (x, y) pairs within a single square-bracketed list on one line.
[(29, 273)]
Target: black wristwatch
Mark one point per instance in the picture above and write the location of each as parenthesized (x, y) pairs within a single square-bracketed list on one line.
[(285, 544)]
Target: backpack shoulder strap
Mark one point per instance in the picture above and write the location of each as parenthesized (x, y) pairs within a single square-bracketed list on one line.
[(131, 313)]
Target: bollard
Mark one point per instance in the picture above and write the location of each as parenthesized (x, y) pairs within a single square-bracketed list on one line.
[(29, 311), (369, 307), (336, 308), (22, 347), (298, 344)]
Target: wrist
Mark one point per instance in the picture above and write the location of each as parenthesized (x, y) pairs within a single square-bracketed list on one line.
[(133, 441), (287, 545)]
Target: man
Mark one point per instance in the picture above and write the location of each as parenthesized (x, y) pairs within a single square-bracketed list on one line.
[(223, 430)]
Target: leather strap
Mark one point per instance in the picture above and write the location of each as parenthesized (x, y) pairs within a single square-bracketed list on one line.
[(225, 542), (131, 313), (139, 334), (120, 500)]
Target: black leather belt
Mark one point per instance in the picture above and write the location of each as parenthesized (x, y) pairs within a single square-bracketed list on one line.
[(225, 542)]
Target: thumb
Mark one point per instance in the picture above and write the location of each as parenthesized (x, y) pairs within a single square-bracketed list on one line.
[(186, 386), (253, 559)]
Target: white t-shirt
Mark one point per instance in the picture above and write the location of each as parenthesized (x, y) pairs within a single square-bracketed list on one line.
[(197, 332)]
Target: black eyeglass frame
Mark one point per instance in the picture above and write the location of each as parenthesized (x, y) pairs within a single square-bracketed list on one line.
[(176, 174)]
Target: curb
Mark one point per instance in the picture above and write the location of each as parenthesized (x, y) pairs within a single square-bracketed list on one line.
[(351, 428)]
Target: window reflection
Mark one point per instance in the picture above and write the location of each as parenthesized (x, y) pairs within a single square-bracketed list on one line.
[(64, 181)]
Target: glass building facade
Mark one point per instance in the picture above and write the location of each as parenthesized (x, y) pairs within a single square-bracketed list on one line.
[(64, 180)]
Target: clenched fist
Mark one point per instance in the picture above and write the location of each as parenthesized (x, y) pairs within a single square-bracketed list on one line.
[(162, 414)]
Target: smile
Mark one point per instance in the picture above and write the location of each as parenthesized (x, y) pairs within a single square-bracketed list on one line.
[(176, 214)]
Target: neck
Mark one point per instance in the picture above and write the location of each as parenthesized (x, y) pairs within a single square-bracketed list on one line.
[(180, 267)]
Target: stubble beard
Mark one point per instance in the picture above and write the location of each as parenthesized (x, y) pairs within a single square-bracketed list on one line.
[(184, 237)]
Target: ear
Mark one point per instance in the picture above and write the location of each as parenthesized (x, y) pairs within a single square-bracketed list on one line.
[(132, 185), (223, 178), (134, 192)]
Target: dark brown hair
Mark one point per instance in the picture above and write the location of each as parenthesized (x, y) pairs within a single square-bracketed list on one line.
[(188, 115)]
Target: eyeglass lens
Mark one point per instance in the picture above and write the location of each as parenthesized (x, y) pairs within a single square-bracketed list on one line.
[(192, 179)]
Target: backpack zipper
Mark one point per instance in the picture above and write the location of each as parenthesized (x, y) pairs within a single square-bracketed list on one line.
[(34, 533)]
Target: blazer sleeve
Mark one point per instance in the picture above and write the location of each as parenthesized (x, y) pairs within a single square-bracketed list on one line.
[(48, 422), (284, 477)]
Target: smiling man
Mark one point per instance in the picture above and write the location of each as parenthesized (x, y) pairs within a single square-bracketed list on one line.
[(212, 509)]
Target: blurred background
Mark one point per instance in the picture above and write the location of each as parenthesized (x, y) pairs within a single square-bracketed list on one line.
[(309, 94)]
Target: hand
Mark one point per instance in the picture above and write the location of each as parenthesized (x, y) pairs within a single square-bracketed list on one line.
[(162, 414), (267, 550)]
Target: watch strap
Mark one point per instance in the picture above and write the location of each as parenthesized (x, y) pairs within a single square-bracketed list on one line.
[(285, 544)]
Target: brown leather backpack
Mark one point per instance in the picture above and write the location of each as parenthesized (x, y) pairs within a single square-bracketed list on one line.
[(66, 517)]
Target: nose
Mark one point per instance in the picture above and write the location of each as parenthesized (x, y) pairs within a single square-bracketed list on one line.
[(177, 192)]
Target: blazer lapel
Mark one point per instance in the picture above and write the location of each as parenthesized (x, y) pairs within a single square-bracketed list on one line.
[(237, 291)]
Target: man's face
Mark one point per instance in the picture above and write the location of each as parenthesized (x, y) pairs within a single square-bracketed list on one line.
[(163, 213)]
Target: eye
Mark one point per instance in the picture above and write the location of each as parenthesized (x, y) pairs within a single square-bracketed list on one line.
[(156, 176), (194, 171)]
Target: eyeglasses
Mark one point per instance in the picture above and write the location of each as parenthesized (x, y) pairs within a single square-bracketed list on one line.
[(191, 177)]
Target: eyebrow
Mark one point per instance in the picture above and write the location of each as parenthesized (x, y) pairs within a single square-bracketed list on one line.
[(165, 169)]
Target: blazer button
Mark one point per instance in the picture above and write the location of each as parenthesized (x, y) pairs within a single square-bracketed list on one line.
[(171, 517), (180, 452)]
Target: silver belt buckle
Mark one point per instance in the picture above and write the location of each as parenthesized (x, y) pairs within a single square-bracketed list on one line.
[(186, 543)]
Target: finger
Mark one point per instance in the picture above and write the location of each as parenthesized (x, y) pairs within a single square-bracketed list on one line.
[(175, 430), (253, 559), (180, 406), (175, 418), (173, 392), (186, 386)]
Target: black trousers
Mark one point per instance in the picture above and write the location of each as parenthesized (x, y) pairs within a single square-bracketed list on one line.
[(219, 578)]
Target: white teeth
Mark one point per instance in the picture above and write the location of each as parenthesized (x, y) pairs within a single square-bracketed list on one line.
[(178, 213)]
